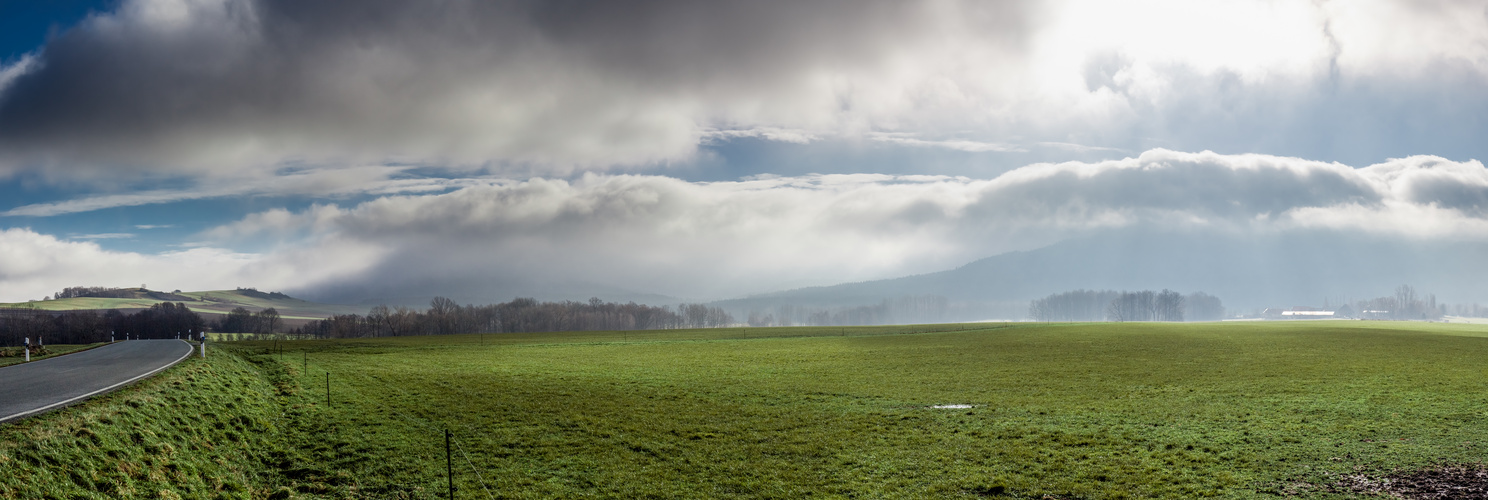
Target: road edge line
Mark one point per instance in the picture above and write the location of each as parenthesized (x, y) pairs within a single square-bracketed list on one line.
[(189, 349)]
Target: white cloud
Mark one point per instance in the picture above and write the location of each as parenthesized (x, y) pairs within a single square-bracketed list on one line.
[(955, 144), (723, 239), (9, 72), (727, 238), (796, 136), (1395, 38), (33, 265)]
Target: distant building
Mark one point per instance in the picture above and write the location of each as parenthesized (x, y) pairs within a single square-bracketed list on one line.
[(1344, 311), (1300, 312), (1310, 313)]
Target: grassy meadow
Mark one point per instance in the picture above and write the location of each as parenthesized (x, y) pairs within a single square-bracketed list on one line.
[(1108, 410)]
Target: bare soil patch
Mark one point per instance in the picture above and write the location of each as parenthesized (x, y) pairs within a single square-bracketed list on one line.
[(1456, 481)]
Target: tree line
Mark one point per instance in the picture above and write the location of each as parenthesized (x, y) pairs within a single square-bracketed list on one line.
[(906, 309), (1473, 310), (93, 291), (1406, 304), (444, 316), (161, 321), (118, 293), (241, 320), (1109, 305)]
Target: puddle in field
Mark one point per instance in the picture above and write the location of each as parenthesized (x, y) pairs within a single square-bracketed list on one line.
[(951, 407)]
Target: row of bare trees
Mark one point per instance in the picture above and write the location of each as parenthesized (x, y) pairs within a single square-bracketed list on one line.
[(161, 321), (93, 291), (241, 320), (1146, 305), (1108, 305), (906, 309), (1405, 304), (1473, 310), (445, 316)]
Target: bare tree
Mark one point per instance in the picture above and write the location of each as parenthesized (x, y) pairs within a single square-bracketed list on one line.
[(1405, 302), (1078, 305), (443, 311), (1169, 306), (268, 321), (379, 318), (1132, 306), (1200, 306)]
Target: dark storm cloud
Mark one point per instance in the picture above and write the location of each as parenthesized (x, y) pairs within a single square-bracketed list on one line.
[(210, 86), (200, 85)]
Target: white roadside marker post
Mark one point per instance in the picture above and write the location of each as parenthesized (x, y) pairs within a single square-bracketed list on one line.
[(204, 345), (27, 347)]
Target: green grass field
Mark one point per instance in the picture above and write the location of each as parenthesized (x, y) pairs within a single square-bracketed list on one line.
[(1234, 410)]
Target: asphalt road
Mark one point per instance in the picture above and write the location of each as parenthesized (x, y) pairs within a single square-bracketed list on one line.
[(30, 388)]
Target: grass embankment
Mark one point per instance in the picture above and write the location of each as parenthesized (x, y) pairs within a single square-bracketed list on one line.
[(1069, 411), (215, 428), (15, 355)]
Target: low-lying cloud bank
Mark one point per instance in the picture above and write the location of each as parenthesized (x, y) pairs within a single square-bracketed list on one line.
[(34, 265), (716, 240)]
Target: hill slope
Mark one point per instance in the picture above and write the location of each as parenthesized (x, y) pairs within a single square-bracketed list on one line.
[(211, 302), (1279, 270)]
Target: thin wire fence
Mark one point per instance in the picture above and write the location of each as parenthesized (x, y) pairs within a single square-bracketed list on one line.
[(272, 351), (433, 428)]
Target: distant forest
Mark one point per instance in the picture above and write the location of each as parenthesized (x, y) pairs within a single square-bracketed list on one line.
[(160, 321), (253, 292), (1107, 305), (241, 320), (445, 316), (94, 291), (118, 293), (1406, 304), (906, 309)]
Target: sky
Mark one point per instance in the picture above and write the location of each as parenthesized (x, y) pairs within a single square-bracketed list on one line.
[(708, 150)]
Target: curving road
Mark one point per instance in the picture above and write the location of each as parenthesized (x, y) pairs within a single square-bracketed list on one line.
[(30, 388)]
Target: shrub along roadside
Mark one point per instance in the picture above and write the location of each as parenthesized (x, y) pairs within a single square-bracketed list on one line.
[(215, 428)]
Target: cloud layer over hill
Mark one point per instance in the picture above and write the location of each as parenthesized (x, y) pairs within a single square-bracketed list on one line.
[(713, 240)]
